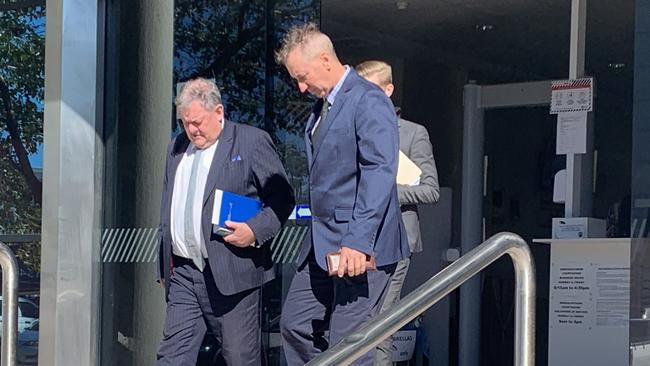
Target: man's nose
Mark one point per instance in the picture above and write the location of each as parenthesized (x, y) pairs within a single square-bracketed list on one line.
[(302, 87)]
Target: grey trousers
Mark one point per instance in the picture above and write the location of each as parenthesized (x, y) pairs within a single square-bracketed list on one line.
[(194, 305), (384, 349)]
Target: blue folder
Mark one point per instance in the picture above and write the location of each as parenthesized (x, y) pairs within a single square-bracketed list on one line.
[(230, 206)]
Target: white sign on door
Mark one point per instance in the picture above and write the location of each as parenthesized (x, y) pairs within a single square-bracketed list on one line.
[(574, 95)]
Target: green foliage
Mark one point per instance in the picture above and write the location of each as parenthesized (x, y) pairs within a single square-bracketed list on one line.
[(22, 60), (228, 41), (22, 49), (225, 41), (22, 56)]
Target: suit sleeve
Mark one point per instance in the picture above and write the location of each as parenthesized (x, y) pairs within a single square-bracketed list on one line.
[(428, 191), (161, 261), (378, 144), (273, 189)]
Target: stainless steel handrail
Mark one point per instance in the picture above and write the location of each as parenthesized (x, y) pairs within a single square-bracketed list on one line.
[(9, 305), (367, 337)]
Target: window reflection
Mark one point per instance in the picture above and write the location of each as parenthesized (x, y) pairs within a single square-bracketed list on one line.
[(233, 43), (22, 80)]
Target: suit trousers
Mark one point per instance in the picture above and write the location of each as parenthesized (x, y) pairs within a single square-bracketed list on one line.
[(385, 348), (318, 304), (195, 304)]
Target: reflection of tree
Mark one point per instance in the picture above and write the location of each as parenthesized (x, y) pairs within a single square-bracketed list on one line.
[(22, 43), (228, 41), (224, 40), (296, 167), (21, 4)]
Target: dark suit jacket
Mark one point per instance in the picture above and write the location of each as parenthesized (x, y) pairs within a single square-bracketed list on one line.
[(245, 162), (414, 143), (352, 173)]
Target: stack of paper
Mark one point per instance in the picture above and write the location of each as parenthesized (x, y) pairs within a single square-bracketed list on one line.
[(407, 172)]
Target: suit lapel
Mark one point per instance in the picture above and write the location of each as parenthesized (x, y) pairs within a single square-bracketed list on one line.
[(338, 105), (180, 145), (403, 144), (310, 126), (221, 154)]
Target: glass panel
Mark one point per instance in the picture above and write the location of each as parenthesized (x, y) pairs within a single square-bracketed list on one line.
[(22, 52), (231, 42), (137, 127), (637, 211), (610, 60), (435, 48), (520, 150), (243, 67), (28, 310)]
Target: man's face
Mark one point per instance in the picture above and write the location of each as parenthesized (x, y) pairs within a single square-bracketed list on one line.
[(310, 74), (202, 126)]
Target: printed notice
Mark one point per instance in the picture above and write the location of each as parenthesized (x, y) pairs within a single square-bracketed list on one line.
[(571, 301), (589, 289), (572, 95), (571, 133), (612, 296)]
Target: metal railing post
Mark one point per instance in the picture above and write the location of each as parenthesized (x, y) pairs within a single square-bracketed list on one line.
[(9, 305), (383, 325)]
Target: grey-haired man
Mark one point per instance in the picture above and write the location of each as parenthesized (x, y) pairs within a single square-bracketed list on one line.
[(213, 282)]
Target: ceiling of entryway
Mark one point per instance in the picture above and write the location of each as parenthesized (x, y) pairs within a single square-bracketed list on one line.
[(528, 37)]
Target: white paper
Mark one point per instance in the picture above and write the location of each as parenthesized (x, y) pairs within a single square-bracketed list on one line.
[(571, 133), (572, 95), (571, 285)]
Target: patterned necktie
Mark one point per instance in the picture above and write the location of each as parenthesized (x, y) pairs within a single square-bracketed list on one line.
[(323, 114), (193, 247)]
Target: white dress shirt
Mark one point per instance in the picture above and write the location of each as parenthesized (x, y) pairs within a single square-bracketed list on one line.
[(179, 196)]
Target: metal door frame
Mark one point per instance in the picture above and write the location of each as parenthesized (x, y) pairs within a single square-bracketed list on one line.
[(476, 100)]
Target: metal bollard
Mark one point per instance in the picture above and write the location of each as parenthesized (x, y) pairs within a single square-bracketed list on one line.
[(9, 305)]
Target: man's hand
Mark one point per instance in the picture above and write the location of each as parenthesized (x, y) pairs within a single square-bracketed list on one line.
[(352, 262), (162, 283), (242, 236)]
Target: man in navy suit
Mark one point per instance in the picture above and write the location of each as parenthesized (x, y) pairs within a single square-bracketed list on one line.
[(414, 143), (352, 151), (212, 281)]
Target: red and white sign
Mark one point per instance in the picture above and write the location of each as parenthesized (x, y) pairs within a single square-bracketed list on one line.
[(575, 95)]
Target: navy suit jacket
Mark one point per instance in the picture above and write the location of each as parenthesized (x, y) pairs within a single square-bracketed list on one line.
[(245, 162), (352, 171)]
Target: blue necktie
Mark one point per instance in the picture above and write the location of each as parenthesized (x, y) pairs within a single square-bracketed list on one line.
[(193, 247)]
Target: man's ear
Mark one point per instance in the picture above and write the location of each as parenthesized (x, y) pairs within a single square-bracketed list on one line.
[(326, 60), (219, 109), (389, 89)]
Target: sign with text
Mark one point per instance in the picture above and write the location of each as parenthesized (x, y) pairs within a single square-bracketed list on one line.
[(589, 302), (403, 345), (573, 95), (571, 133)]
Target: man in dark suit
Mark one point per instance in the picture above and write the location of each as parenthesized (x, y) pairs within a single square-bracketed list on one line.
[(414, 143), (213, 281), (352, 146)]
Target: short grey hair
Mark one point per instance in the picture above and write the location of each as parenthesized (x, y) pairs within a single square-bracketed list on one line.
[(202, 90), (306, 36)]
